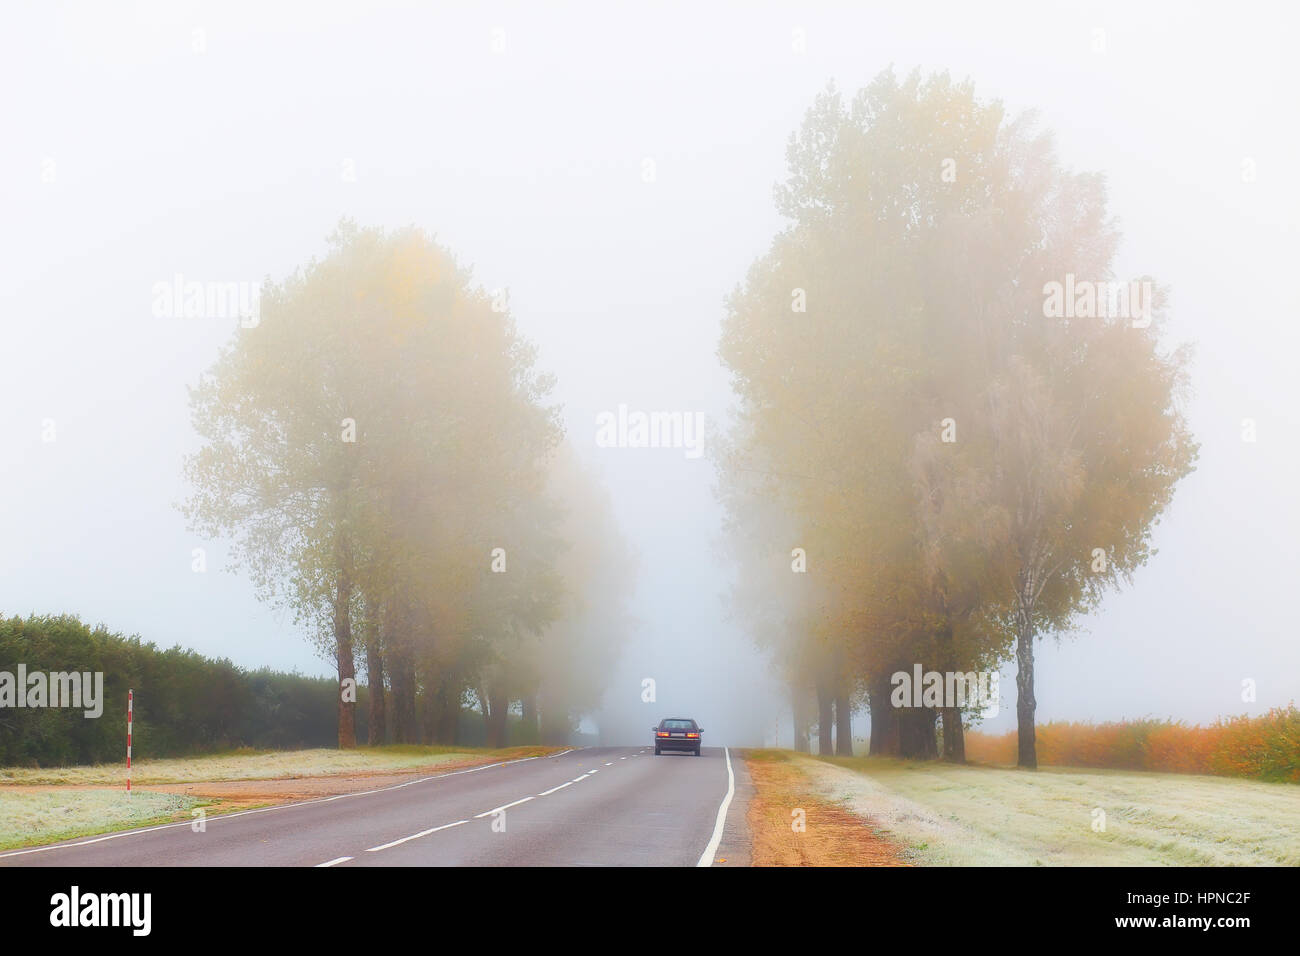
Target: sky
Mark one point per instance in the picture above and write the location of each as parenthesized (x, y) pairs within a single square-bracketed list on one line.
[(612, 166)]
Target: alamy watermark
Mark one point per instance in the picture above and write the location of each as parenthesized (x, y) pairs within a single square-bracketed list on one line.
[(182, 299), (1083, 299), (53, 689), (637, 429), (75, 908), (978, 690)]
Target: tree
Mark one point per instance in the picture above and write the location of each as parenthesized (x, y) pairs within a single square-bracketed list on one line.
[(362, 442), (954, 451)]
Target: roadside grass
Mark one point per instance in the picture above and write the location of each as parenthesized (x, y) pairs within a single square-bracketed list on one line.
[(248, 764), (973, 815), (28, 819), (791, 826), (42, 806)]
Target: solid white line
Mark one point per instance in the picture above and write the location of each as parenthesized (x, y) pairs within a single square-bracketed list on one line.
[(706, 858), (488, 813), (342, 859), (547, 793), (578, 779), (561, 753), (413, 836), (243, 813)]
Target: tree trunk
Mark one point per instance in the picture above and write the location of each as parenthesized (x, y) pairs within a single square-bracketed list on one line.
[(884, 719), (954, 736), (406, 725), (825, 720), (532, 727), (1025, 703), (375, 677), (346, 662), (843, 725), (448, 711), (800, 710), (916, 727), (398, 638), (499, 710)]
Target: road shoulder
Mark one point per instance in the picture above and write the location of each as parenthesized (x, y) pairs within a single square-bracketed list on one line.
[(793, 823), (737, 844)]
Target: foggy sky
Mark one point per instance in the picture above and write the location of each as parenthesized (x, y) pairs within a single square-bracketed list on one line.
[(527, 161)]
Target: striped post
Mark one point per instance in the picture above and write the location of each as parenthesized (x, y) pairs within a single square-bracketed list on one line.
[(130, 706)]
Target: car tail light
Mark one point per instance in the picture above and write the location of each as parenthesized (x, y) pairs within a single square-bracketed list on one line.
[(662, 733), (692, 735)]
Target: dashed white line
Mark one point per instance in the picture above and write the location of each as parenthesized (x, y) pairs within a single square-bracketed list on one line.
[(488, 813), (334, 862), (243, 813), (547, 793), (414, 836)]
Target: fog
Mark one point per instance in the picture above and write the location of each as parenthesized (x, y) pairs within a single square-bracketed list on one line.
[(224, 142)]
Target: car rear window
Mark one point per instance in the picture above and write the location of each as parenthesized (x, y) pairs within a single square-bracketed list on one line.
[(679, 725)]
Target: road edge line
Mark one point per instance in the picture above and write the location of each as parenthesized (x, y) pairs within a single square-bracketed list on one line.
[(706, 858)]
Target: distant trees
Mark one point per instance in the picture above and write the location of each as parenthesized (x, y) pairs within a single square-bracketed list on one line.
[(380, 447), (185, 702), (965, 464)]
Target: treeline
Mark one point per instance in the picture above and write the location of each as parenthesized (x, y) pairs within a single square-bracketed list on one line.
[(185, 703), (1266, 747), (380, 448), (937, 460)]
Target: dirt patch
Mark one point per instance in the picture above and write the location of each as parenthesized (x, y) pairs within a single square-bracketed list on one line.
[(241, 794), (830, 835), (287, 789)]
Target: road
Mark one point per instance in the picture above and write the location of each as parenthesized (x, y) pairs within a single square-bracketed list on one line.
[(587, 807)]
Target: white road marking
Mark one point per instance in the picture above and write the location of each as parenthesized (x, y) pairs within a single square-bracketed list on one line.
[(413, 836), (547, 793), (577, 779), (610, 764), (216, 818), (706, 858), (562, 753), (341, 859), (488, 813)]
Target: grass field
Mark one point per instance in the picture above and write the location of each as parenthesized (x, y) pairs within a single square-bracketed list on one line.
[(257, 765), (986, 816), (48, 816)]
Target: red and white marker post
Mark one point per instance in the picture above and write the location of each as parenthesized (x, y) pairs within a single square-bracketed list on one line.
[(130, 705)]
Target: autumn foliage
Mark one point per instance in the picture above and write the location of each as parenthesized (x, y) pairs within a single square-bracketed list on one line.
[(1266, 747)]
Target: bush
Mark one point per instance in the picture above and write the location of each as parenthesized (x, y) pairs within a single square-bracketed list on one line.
[(1262, 748)]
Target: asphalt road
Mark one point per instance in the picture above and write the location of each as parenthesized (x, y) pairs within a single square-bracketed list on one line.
[(588, 807)]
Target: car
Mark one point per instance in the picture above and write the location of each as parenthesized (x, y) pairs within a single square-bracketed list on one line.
[(677, 733)]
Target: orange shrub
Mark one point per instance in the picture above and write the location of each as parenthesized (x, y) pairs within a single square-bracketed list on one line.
[(1265, 747)]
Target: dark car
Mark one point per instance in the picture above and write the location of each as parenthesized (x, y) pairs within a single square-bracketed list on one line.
[(677, 733)]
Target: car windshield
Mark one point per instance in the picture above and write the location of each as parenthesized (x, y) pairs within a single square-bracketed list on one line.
[(679, 725)]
